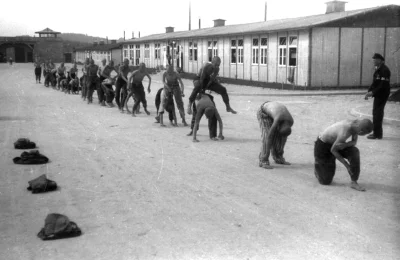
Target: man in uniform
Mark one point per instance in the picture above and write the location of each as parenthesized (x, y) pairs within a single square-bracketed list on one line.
[(38, 69), (331, 145), (207, 80), (121, 84), (276, 125), (380, 91), (137, 89), (92, 81), (172, 80)]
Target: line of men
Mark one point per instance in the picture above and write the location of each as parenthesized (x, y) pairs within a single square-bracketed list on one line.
[(274, 118)]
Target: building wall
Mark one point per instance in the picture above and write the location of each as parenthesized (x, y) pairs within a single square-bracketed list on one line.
[(272, 57), (226, 57), (247, 43), (325, 57), (303, 58), (373, 42), (116, 56), (392, 53), (350, 56)]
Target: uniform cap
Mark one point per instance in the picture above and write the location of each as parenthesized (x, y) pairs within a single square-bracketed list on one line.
[(378, 56)]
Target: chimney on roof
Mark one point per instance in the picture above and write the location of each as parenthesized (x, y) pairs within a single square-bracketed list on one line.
[(335, 6), (113, 41), (169, 29), (219, 22), (107, 39), (101, 43), (94, 43), (199, 23)]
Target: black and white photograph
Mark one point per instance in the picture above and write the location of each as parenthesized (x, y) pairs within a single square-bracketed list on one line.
[(200, 130)]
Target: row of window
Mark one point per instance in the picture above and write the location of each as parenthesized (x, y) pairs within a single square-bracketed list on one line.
[(259, 51)]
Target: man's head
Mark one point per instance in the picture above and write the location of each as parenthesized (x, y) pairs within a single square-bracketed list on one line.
[(216, 61), (111, 63), (91, 61), (126, 62), (62, 64), (87, 60), (209, 112), (142, 67), (75, 65), (285, 129), (170, 68), (103, 61), (378, 59), (365, 126)]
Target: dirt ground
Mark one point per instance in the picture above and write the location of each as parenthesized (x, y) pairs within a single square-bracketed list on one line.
[(139, 191)]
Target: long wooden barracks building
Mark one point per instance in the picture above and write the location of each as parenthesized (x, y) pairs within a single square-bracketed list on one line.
[(334, 49)]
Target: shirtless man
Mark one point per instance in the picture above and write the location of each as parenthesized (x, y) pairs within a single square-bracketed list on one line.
[(136, 87), (331, 145), (276, 125), (60, 74), (50, 74), (171, 80), (107, 83), (83, 79), (121, 84), (207, 80), (204, 104), (100, 92)]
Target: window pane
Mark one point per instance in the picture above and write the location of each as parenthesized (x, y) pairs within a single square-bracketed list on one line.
[(233, 55), (264, 41), (240, 42), (215, 43), (255, 42), (195, 45), (293, 40), (190, 44), (209, 54), (209, 44), (282, 40), (292, 56), (195, 54), (233, 43)]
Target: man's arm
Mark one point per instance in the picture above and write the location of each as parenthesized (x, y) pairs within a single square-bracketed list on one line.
[(272, 131), (122, 74), (181, 83), (220, 136), (148, 88), (338, 145), (384, 76)]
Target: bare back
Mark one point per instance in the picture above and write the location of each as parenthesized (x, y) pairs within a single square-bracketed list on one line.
[(278, 112), (137, 76), (339, 132)]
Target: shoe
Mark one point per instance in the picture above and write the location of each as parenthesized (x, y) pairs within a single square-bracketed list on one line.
[(372, 136)]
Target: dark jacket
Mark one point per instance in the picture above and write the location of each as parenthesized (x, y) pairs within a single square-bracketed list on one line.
[(381, 82)]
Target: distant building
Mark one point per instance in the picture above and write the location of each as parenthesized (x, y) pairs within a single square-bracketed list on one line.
[(98, 51), (334, 49)]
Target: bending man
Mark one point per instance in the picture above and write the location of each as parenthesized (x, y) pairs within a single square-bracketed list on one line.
[(331, 145), (276, 125)]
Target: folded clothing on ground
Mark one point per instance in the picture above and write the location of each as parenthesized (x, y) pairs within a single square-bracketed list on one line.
[(58, 226), (24, 143), (31, 157), (41, 184)]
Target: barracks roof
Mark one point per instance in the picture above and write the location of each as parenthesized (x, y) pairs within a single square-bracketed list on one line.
[(266, 26)]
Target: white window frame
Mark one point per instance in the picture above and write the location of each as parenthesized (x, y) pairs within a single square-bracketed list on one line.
[(255, 57), (215, 48), (293, 46), (147, 51), (233, 48), (263, 51), (209, 51), (240, 51), (137, 54), (195, 53), (282, 53), (157, 51)]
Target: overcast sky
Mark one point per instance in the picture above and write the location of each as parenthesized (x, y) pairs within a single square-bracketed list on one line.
[(150, 16)]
